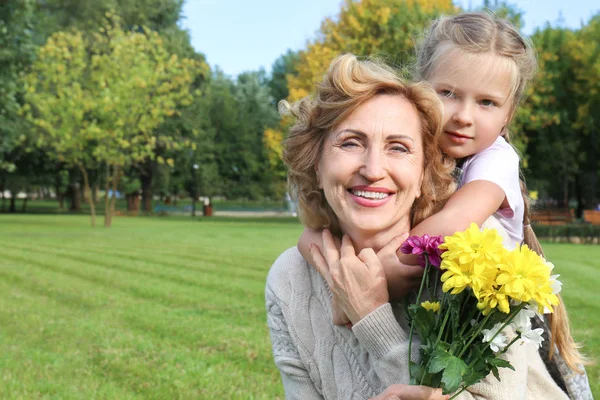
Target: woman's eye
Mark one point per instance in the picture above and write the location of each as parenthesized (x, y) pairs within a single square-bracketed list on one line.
[(348, 144), (446, 93), (399, 148)]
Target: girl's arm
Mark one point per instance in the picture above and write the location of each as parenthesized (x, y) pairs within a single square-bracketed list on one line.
[(474, 202)]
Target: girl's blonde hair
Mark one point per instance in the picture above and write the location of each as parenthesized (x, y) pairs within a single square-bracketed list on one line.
[(475, 34), (347, 84)]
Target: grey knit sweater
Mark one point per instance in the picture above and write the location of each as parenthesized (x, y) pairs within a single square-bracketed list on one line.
[(319, 360)]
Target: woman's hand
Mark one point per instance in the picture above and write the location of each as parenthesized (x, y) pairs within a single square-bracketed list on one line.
[(358, 282), (402, 279), (411, 392)]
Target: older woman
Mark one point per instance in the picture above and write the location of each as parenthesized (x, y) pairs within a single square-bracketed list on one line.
[(363, 161)]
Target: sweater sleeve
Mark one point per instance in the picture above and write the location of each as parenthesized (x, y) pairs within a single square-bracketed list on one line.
[(386, 341), (297, 383)]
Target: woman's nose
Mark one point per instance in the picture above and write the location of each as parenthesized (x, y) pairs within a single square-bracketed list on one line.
[(463, 114), (373, 167)]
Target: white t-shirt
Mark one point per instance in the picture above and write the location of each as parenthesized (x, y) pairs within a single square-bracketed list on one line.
[(499, 164)]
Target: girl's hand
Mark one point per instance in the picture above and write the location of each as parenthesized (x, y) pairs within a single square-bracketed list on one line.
[(402, 279), (411, 392), (358, 282)]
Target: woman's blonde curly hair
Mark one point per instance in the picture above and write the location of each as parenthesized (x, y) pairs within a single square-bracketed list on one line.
[(347, 84)]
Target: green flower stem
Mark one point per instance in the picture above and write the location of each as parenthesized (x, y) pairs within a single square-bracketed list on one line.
[(472, 311), (412, 322), (510, 344), (459, 392), (477, 325), (479, 329), (436, 280), (441, 330)]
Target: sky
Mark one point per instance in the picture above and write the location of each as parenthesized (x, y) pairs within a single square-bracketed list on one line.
[(245, 35)]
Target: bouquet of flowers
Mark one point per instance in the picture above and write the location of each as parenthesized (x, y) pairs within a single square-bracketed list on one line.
[(487, 299)]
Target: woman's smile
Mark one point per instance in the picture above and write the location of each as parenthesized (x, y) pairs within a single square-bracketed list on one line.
[(368, 196)]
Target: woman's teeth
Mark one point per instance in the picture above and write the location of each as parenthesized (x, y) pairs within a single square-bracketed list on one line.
[(370, 195)]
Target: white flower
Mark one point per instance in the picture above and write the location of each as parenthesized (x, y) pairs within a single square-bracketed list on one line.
[(500, 340), (556, 284), (533, 336), (522, 322)]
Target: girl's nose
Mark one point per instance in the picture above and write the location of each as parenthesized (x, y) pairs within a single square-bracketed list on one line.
[(463, 114)]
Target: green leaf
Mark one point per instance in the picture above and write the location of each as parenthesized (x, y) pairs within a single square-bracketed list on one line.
[(453, 369), (424, 320)]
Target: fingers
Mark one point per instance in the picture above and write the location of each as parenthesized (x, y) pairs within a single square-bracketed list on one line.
[(330, 251), (347, 249), (394, 244), (320, 262), (370, 259)]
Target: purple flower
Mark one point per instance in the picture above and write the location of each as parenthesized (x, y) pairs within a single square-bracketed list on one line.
[(424, 245)]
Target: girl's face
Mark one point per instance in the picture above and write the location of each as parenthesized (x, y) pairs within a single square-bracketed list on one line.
[(476, 92)]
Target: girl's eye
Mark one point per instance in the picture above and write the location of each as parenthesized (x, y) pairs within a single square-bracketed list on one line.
[(488, 103)]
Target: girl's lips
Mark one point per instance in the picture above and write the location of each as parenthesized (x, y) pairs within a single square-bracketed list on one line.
[(457, 138), (372, 203)]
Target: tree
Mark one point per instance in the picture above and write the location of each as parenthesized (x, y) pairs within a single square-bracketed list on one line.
[(383, 28), (96, 100), (283, 67), (59, 101), (17, 50)]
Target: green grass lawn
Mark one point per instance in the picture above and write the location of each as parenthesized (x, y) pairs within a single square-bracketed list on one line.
[(167, 308)]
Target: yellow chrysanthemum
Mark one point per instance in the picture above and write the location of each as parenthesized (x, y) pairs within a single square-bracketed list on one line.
[(457, 277), (524, 276), (492, 298), (545, 298), (477, 276), (431, 306), (473, 245)]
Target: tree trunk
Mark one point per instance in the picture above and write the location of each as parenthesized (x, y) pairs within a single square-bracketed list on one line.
[(24, 205), (110, 210), (2, 183), (133, 203), (107, 216), (579, 196), (88, 195), (146, 179), (75, 192), (12, 208), (95, 192)]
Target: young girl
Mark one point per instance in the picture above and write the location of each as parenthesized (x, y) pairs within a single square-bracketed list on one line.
[(480, 65)]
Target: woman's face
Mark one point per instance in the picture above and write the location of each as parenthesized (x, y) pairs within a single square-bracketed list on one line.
[(371, 166)]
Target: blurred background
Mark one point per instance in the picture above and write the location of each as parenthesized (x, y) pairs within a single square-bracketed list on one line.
[(164, 103), (139, 114)]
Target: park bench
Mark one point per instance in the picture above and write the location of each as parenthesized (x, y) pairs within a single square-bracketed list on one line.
[(592, 216), (559, 216)]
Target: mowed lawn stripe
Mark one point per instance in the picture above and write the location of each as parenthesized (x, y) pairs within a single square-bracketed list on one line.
[(151, 268), (176, 261), (137, 281)]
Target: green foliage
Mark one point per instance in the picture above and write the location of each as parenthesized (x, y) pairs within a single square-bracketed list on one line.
[(16, 52)]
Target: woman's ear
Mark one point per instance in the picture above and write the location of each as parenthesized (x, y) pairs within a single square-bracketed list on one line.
[(319, 185), (418, 194)]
